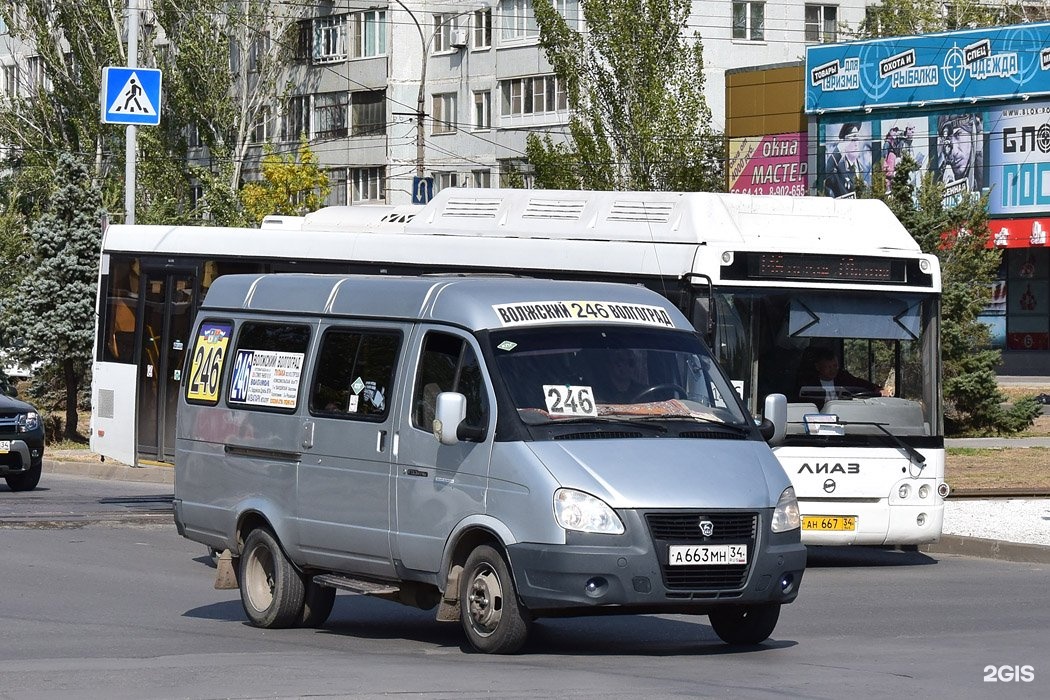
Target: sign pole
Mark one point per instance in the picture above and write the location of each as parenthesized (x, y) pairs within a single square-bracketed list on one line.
[(130, 139)]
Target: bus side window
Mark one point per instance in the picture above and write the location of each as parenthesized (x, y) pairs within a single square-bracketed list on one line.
[(122, 311), (448, 363), (355, 373)]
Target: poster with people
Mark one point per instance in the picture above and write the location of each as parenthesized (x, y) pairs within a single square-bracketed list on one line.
[(960, 154), (847, 160), (905, 137)]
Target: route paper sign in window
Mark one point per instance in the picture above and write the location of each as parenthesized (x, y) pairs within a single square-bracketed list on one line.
[(266, 378)]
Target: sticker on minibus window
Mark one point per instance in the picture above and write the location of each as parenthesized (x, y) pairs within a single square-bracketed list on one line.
[(563, 400), (266, 378), (209, 355), (548, 312)]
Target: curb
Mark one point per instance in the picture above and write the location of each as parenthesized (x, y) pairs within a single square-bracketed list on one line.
[(118, 472), (988, 549)]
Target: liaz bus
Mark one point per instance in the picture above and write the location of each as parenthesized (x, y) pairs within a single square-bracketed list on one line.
[(780, 287)]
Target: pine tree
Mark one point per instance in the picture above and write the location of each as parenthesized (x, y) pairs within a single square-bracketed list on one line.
[(52, 310)]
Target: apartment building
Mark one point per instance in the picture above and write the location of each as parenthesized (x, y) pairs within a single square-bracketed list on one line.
[(364, 70)]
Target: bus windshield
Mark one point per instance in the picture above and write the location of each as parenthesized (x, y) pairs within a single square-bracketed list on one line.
[(590, 373), (864, 363)]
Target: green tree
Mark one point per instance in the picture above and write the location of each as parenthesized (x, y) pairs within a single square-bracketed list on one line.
[(52, 310), (635, 86), (909, 17), (957, 234), (292, 184)]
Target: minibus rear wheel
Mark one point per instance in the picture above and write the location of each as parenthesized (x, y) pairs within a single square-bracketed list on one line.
[(745, 624), (272, 591), (493, 619), (318, 601)]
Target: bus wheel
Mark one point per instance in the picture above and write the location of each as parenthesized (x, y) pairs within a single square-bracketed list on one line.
[(27, 480), (271, 589), (318, 601), (492, 617), (745, 624)]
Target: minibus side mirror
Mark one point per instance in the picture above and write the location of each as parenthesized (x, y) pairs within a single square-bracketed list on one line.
[(449, 412), (774, 419)]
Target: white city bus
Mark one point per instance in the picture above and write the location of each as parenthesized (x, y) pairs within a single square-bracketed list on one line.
[(770, 282)]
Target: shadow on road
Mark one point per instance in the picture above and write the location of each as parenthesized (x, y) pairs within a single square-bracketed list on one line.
[(865, 556)]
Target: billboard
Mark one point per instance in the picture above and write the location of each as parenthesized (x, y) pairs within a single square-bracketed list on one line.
[(769, 164), (849, 148), (980, 64)]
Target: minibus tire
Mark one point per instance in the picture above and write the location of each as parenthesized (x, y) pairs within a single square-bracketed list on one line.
[(27, 480), (272, 591), (745, 624), (494, 620), (318, 601)]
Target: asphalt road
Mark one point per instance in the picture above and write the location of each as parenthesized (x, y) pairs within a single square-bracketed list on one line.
[(116, 605)]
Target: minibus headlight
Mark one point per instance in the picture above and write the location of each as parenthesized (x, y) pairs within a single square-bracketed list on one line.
[(576, 510), (785, 515)]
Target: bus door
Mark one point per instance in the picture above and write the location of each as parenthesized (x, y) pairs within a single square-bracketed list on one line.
[(167, 315)]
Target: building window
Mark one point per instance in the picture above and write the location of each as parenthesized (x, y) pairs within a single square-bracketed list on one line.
[(542, 94), (444, 113), (518, 21), (749, 21), (570, 11), (369, 184), (304, 42), (35, 73), (9, 79), (297, 118), (517, 173), (368, 113), (193, 136), (260, 131), (482, 110), (330, 40), (822, 23), (482, 29), (481, 178), (443, 181), (444, 25), (369, 34), (330, 111), (258, 51), (337, 184)]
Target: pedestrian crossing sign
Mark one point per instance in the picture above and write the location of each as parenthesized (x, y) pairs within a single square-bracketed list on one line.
[(130, 96)]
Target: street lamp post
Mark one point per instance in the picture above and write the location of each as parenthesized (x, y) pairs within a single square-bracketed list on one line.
[(425, 43)]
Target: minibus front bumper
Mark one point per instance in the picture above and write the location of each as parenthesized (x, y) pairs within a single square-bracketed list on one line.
[(595, 574)]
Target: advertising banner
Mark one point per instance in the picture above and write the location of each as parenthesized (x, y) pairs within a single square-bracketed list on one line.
[(769, 164), (1019, 159), (1018, 233), (979, 64)]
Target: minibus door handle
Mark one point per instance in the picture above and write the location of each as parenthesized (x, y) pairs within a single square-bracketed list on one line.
[(381, 441)]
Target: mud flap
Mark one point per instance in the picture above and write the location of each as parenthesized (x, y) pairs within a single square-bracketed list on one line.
[(226, 571)]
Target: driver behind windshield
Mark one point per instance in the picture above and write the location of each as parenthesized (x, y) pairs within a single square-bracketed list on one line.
[(827, 381), (622, 385)]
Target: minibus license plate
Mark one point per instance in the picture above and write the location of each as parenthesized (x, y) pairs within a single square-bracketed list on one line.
[(5, 446), (705, 555), (829, 522)]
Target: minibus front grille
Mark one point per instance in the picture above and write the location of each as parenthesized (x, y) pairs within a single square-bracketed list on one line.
[(684, 528)]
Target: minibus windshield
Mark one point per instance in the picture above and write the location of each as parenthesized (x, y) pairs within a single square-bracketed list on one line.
[(581, 373)]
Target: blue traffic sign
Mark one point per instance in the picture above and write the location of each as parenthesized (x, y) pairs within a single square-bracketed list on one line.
[(130, 96), (422, 189)]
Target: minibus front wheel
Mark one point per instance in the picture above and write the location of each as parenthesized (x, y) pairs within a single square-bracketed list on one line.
[(493, 619), (745, 624), (272, 591)]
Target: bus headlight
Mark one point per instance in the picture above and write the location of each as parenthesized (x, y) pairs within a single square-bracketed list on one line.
[(904, 491), (924, 491), (576, 510), (785, 515)]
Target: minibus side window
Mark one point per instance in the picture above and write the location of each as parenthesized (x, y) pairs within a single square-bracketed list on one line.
[(448, 363), (355, 372), (268, 366)]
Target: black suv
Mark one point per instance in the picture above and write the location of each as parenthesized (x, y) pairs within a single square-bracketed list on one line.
[(21, 444)]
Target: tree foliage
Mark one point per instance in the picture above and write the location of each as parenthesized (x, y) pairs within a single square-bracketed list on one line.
[(957, 234), (635, 86), (291, 184), (909, 17), (52, 309)]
